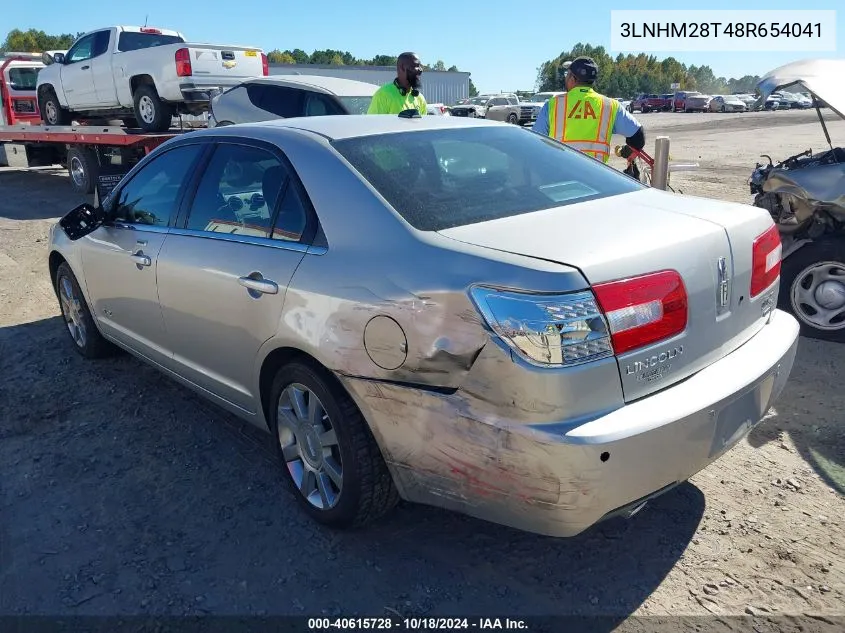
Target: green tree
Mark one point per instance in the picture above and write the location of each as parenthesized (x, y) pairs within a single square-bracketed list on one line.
[(278, 57), (34, 41), (627, 75)]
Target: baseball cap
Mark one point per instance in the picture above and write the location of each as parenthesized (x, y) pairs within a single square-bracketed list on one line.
[(584, 69)]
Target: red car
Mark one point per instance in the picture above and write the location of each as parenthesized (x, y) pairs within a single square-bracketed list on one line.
[(648, 102)]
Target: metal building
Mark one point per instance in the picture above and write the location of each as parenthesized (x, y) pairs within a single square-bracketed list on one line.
[(438, 86)]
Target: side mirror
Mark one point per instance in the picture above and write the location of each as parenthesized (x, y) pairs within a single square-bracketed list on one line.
[(82, 220), (59, 58)]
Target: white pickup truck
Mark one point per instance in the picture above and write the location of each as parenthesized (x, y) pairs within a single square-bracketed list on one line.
[(143, 76)]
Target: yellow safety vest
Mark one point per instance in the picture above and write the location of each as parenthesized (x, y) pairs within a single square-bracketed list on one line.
[(583, 119)]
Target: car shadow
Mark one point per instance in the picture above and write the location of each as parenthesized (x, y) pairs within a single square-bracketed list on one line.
[(125, 493), (796, 423), (32, 194)]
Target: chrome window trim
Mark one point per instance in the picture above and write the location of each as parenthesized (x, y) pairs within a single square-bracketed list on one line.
[(284, 245)]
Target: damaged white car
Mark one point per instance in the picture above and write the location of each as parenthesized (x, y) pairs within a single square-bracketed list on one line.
[(449, 310), (805, 195)]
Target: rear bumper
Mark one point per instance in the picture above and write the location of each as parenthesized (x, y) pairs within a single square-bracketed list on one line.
[(559, 480), (200, 93)]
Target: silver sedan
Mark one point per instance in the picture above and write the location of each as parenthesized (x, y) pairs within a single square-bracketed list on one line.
[(452, 311)]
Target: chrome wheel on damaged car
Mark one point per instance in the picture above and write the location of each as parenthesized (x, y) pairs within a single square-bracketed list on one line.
[(329, 456), (309, 446)]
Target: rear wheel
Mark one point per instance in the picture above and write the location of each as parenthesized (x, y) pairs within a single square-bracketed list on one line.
[(83, 169), (330, 458), (150, 111), (813, 289)]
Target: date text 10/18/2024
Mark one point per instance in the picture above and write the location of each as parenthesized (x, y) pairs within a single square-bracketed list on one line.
[(720, 29), (387, 623)]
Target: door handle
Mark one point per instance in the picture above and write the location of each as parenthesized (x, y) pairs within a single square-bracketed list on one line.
[(141, 259), (85, 67), (259, 284)]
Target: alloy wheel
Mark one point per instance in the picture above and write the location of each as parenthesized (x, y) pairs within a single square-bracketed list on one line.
[(72, 312), (309, 446)]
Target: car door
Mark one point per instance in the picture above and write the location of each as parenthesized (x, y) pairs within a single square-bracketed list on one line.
[(120, 258), (77, 75), (496, 109), (101, 70), (223, 273)]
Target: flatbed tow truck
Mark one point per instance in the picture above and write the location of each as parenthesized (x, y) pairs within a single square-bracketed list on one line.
[(91, 153)]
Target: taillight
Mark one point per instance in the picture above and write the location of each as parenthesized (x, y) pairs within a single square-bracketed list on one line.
[(265, 65), (766, 254), (183, 63), (546, 330), (643, 310), (147, 29)]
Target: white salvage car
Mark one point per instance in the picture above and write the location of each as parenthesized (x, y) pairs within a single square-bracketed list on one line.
[(141, 75)]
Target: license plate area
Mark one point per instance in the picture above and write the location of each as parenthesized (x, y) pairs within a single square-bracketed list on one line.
[(740, 416)]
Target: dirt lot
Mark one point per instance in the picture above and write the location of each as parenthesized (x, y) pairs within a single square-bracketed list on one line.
[(122, 493)]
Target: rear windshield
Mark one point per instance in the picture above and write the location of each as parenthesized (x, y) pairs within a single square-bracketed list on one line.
[(438, 179), (23, 78), (132, 41), (356, 105)]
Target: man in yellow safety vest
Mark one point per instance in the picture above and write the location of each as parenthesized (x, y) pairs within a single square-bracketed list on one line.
[(403, 93), (584, 119)]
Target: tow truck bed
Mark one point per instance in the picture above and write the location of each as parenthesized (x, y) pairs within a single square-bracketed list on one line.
[(88, 151)]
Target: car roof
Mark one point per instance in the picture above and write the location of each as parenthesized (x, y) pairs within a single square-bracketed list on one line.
[(342, 126), (334, 85)]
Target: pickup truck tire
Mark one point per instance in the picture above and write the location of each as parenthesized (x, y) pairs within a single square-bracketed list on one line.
[(83, 169), (512, 118), (52, 113), (151, 112)]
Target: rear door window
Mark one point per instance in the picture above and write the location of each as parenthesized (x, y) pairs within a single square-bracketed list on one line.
[(282, 101)]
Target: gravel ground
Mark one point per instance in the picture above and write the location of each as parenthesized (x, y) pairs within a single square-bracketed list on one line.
[(123, 493)]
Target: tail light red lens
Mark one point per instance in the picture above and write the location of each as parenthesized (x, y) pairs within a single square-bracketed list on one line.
[(146, 29), (643, 310), (183, 63), (765, 260), (265, 65)]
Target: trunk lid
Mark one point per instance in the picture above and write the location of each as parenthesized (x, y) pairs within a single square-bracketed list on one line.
[(643, 232)]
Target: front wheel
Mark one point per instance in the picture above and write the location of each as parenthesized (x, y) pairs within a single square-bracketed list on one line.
[(52, 113), (86, 338), (512, 118), (330, 458), (813, 289)]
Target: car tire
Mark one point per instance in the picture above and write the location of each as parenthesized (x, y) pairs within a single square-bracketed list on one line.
[(347, 482), (84, 333), (83, 169), (822, 257), (52, 113), (150, 111), (512, 119)]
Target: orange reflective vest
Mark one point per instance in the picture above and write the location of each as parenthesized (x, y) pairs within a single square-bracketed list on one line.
[(583, 119)]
